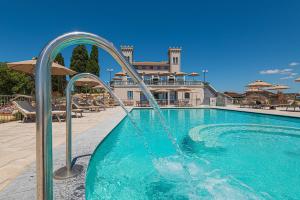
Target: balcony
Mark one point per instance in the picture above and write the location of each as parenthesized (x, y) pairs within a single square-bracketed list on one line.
[(159, 83)]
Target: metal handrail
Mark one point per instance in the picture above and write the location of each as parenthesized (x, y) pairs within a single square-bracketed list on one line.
[(44, 162), (70, 171), (160, 82)]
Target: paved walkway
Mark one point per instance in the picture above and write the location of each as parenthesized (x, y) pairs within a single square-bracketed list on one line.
[(17, 140)]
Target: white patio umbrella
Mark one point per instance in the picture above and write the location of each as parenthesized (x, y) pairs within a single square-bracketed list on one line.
[(259, 84), (278, 88), (180, 74), (194, 74), (88, 82), (120, 74)]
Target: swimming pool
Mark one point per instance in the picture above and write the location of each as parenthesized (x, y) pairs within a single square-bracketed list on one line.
[(228, 155)]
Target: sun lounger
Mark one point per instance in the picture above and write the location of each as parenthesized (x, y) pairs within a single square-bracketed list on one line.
[(85, 107), (293, 104), (100, 104), (77, 112), (29, 112)]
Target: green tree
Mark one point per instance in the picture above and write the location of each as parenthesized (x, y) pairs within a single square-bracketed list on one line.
[(59, 82), (93, 63), (79, 59), (13, 82)]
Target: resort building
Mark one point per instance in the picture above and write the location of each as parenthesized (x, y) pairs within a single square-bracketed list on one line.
[(166, 80)]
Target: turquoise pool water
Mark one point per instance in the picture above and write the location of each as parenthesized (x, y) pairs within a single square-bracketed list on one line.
[(228, 155)]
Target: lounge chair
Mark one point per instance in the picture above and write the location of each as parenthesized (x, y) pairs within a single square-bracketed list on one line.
[(99, 103), (77, 105), (29, 112), (293, 104), (77, 112), (246, 103)]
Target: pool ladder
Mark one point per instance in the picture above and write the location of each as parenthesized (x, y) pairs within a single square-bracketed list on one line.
[(44, 157)]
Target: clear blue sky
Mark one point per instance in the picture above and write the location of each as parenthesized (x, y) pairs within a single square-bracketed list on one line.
[(237, 41)]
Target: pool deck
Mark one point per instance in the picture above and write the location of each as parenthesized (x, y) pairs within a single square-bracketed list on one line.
[(278, 111), (17, 150)]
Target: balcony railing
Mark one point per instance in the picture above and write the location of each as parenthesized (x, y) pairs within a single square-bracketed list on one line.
[(158, 82)]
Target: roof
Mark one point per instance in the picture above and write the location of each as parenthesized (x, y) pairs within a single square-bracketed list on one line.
[(151, 63)]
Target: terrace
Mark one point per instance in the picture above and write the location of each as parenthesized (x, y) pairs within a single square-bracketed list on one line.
[(154, 82)]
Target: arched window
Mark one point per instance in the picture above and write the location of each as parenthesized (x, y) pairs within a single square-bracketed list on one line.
[(174, 60)]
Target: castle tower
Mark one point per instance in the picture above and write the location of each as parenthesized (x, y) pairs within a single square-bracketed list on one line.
[(127, 51), (174, 54)]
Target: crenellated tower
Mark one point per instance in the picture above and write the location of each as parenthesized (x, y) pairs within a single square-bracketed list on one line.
[(127, 51), (174, 54)]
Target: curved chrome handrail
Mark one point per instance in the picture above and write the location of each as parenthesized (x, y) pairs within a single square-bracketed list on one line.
[(44, 162), (70, 171)]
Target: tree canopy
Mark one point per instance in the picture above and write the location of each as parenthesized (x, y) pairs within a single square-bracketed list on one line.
[(93, 64), (13, 82), (59, 82), (79, 59)]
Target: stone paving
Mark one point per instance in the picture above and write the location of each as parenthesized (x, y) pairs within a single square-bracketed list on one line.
[(17, 148)]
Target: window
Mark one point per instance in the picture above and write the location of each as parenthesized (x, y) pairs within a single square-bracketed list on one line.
[(173, 60), (176, 59), (129, 95), (186, 95)]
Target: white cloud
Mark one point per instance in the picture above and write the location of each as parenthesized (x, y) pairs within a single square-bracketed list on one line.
[(270, 71), (276, 71), (293, 64), (287, 77)]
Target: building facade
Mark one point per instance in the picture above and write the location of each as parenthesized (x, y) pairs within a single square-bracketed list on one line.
[(165, 79)]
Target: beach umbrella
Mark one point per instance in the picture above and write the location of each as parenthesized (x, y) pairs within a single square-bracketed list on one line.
[(279, 87), (180, 74), (259, 84), (166, 73), (297, 80), (88, 82), (28, 67), (194, 74), (120, 74)]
